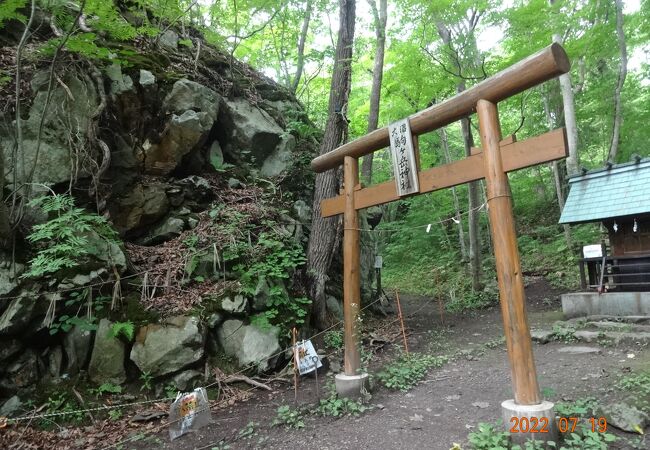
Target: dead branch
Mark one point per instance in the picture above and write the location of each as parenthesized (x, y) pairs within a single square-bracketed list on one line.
[(243, 378)]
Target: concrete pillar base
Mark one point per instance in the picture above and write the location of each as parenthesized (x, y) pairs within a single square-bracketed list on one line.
[(351, 386), (529, 422)]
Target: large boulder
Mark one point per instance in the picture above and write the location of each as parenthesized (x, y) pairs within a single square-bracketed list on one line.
[(255, 138), (107, 359), (625, 416), (189, 95), (70, 108), (17, 316), (8, 349), (76, 345), (249, 344), (167, 348), (143, 205), (9, 274)]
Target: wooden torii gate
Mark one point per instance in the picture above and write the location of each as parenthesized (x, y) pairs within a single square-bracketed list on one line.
[(492, 162)]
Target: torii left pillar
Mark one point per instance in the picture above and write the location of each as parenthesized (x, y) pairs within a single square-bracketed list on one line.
[(352, 383)]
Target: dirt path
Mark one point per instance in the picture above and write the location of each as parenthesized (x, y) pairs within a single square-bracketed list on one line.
[(443, 408)]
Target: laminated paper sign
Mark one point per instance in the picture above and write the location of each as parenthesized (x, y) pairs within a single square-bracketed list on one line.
[(307, 358), (404, 165), (189, 412)]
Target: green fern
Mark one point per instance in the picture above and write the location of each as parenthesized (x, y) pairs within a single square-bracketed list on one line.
[(63, 240), (9, 11), (126, 329)]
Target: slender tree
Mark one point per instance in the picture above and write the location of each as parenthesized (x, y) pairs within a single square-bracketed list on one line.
[(622, 73), (380, 18), (323, 237), (300, 62)]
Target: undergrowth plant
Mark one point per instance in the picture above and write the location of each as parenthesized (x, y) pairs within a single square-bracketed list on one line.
[(289, 417), (638, 383), (408, 370), (334, 406), (63, 241)]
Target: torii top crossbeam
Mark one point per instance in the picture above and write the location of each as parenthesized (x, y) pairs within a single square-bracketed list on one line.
[(536, 69)]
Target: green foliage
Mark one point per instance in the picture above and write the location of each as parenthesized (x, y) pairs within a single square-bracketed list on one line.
[(63, 240), (408, 370), (65, 323), (9, 11), (638, 383), (126, 329), (289, 417), (333, 339), (248, 431), (60, 402), (333, 406), (276, 257), (115, 414), (147, 381), (586, 439), (106, 388), (564, 332), (580, 408), (488, 438)]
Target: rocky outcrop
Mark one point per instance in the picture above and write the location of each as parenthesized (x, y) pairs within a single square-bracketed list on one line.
[(163, 349)]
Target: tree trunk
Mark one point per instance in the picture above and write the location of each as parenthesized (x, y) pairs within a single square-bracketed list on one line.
[(301, 47), (557, 178), (459, 220), (473, 213), (622, 73), (568, 103), (381, 17), (323, 233)]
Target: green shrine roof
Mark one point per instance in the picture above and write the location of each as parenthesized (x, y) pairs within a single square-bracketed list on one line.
[(622, 190)]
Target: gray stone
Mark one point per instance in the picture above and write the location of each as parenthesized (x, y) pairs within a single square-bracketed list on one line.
[(249, 344), (261, 295), (189, 95), (146, 78), (578, 350), (186, 380), (169, 39), (215, 320), (234, 183), (11, 407), (541, 336), (196, 188), (280, 159), (254, 137), (625, 417), (16, 317), (9, 277), (334, 307), (164, 231), (55, 361), (215, 155), (120, 83), (587, 336), (355, 387), (109, 254), (8, 349), (182, 134), (76, 345), (107, 359), (167, 348), (302, 211), (142, 206), (234, 304)]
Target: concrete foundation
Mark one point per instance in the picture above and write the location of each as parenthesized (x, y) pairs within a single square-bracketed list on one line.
[(529, 422), (351, 386), (581, 304)]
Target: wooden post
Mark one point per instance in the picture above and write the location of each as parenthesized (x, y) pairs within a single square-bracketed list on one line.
[(351, 267), (508, 265)]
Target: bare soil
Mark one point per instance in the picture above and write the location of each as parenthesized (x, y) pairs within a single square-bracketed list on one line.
[(444, 407)]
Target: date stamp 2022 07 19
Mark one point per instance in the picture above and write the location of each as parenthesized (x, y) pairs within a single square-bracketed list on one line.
[(564, 424)]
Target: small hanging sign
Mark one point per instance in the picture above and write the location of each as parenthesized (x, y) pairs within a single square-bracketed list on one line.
[(404, 164), (189, 412), (307, 358), (379, 262)]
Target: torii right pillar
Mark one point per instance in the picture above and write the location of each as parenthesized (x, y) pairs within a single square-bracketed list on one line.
[(526, 416)]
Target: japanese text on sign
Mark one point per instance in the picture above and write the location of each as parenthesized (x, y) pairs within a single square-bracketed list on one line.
[(401, 149)]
